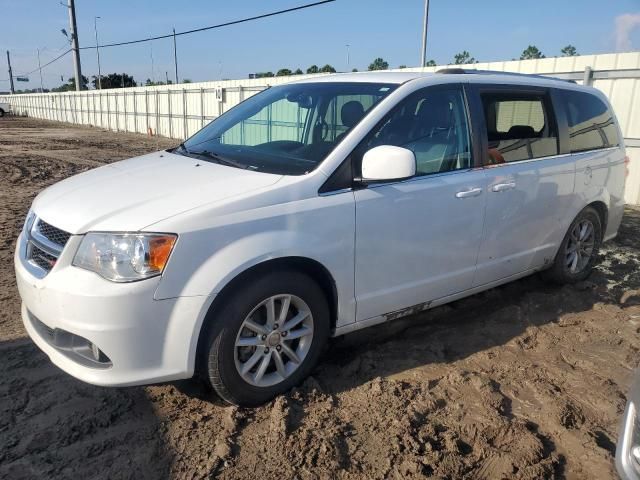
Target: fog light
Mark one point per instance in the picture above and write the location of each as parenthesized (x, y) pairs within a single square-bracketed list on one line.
[(96, 354)]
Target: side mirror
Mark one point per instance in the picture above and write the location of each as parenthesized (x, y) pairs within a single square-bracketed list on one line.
[(387, 163)]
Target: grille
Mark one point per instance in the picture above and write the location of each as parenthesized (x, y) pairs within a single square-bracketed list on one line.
[(52, 233), (41, 258)]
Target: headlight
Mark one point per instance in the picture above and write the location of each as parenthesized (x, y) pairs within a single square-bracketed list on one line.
[(125, 257)]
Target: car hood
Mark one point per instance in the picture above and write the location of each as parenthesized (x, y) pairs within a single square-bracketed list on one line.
[(132, 194)]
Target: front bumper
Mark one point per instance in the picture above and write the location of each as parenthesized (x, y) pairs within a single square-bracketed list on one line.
[(145, 340), (628, 448)]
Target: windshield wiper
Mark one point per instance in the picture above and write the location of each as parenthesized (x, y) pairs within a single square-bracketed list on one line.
[(221, 160), (181, 147)]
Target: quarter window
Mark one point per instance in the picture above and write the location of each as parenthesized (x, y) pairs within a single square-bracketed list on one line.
[(432, 123), (591, 123), (519, 127)]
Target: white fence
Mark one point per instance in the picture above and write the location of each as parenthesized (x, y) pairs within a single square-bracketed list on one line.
[(178, 111)]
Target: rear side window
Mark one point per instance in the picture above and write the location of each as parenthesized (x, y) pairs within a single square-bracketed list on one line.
[(519, 127), (591, 122)]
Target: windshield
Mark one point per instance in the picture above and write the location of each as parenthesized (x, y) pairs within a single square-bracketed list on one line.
[(288, 129)]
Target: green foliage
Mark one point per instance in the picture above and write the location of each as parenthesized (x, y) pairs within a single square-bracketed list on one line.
[(115, 80), (431, 63), (569, 51), (402, 67), (313, 69), (283, 72), (71, 85), (531, 52), (379, 64), (327, 69), (264, 74), (463, 58), (354, 69), (297, 72)]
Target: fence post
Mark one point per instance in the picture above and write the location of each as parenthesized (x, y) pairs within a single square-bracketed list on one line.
[(588, 77), (146, 109), (157, 111), (170, 117), (184, 114), (201, 107)]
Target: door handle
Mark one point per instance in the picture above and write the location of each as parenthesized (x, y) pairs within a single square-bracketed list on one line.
[(472, 192), (501, 187)]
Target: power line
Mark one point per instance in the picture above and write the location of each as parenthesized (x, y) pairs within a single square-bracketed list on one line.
[(45, 65), (234, 22)]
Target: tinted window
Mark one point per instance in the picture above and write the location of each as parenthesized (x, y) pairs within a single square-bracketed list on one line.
[(433, 124), (591, 123), (519, 127)]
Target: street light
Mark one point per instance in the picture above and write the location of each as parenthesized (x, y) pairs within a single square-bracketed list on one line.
[(95, 28)]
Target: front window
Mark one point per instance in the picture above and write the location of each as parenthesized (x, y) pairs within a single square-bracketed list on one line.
[(288, 129)]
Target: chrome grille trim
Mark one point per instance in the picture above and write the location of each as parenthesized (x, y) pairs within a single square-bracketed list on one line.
[(44, 245)]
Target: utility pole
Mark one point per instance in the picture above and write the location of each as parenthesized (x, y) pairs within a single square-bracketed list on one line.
[(95, 28), (348, 58), (153, 75), (175, 54), (10, 73), (423, 59), (40, 69), (74, 44)]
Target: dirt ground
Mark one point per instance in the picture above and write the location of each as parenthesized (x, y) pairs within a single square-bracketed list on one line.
[(523, 381)]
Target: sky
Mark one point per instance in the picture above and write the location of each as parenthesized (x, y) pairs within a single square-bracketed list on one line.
[(391, 29)]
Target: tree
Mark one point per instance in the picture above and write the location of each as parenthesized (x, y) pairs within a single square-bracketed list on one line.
[(531, 52), (402, 67), (379, 64), (463, 58), (431, 63), (187, 80), (71, 85), (297, 72), (115, 80), (327, 69), (313, 69), (264, 74), (354, 69), (569, 51), (283, 72)]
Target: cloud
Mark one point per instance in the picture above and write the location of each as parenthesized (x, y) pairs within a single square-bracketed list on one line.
[(625, 24)]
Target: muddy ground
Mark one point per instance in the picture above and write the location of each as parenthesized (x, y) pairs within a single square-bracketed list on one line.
[(523, 381)]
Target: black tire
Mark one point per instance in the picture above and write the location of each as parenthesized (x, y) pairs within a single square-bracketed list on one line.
[(218, 362), (1, 112), (560, 272)]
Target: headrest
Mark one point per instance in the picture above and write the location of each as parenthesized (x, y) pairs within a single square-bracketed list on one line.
[(522, 131), (351, 113)]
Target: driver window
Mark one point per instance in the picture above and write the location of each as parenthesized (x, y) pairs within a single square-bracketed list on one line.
[(433, 124)]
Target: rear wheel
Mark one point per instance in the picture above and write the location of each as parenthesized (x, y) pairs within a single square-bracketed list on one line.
[(1, 112), (579, 249), (266, 338)]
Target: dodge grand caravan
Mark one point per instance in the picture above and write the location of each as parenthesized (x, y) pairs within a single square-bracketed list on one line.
[(313, 209)]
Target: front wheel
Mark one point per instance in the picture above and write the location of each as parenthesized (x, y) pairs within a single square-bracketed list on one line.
[(266, 338), (579, 249)]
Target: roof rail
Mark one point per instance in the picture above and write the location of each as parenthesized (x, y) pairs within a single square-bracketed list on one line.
[(459, 71)]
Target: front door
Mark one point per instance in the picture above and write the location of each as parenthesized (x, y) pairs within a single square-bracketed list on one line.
[(417, 240)]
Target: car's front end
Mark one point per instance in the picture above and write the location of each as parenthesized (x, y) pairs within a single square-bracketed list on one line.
[(97, 327)]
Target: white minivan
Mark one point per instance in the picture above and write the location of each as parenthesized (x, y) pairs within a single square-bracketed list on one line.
[(310, 210)]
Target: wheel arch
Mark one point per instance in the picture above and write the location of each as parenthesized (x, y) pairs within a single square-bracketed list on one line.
[(308, 266), (603, 212)]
